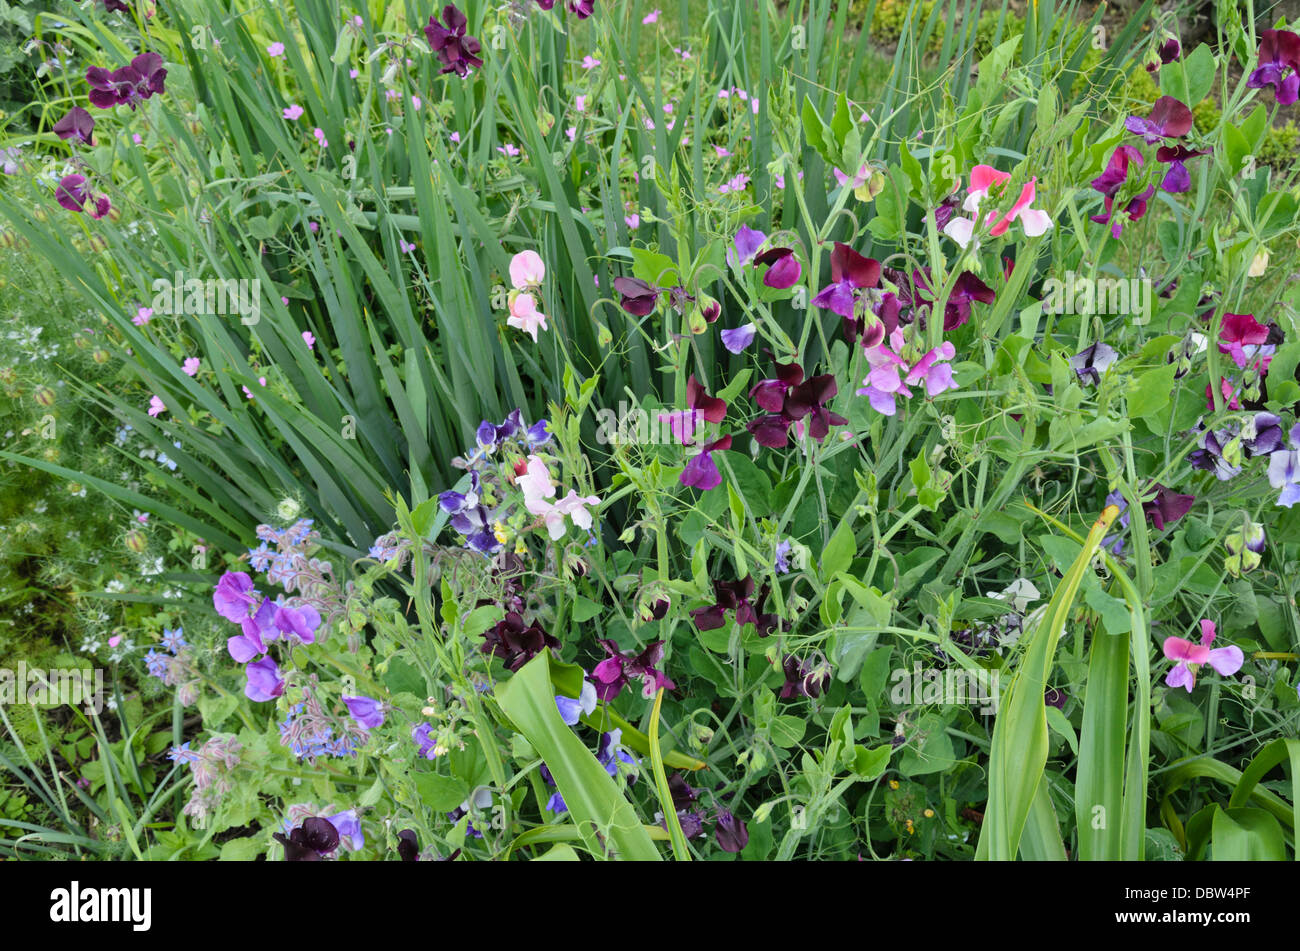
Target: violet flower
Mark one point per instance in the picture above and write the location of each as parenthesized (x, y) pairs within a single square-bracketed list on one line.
[(367, 712), (1091, 362), (73, 195), (738, 339), (730, 832), (234, 595), (702, 472), (264, 681), (1284, 469)]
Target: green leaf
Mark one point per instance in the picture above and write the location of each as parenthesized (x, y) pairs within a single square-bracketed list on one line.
[(440, 793), (595, 802), (839, 551), (1150, 392)]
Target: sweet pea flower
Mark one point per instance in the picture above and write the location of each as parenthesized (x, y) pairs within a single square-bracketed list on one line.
[(527, 270), (572, 505), (572, 710), (525, 316), (984, 181), (1284, 470), (738, 339), (1279, 65), (1169, 119), (618, 668), (1191, 657), (1091, 362), (258, 629), (141, 79), (636, 297), (300, 622), (1243, 338), (702, 472), (264, 681), (73, 195), (367, 712), (77, 125), (703, 408), (455, 49)]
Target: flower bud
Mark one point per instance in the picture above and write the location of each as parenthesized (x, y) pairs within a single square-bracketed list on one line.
[(136, 541), (44, 396)]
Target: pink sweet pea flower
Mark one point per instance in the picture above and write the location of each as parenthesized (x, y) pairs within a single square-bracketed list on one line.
[(525, 316), (527, 270), (937, 376), (983, 180), (1190, 657), (535, 481), (572, 505)]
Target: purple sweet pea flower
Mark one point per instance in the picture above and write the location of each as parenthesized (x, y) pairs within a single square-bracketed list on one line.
[(1284, 470), (455, 49), (367, 712), (1167, 506), (311, 842), (234, 596), (747, 242), (77, 125), (422, 736), (1279, 65), (73, 195), (636, 296), (258, 629), (1169, 119), (702, 472), (264, 681), (571, 709), (131, 84), (738, 339), (730, 832), (1177, 180), (783, 267), (1091, 362), (618, 669), (1116, 172), (300, 622), (851, 273), (611, 754), (348, 826)]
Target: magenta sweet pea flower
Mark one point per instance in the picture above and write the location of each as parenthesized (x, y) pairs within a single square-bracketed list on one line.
[(636, 296), (985, 182), (264, 681), (1244, 338), (1279, 65), (73, 195), (851, 273), (618, 668), (783, 267), (1191, 657), (1169, 119)]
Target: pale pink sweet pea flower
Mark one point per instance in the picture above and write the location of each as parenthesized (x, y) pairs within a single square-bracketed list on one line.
[(1225, 660), (525, 316), (527, 269), (936, 375), (535, 482), (572, 505), (191, 366), (683, 423)]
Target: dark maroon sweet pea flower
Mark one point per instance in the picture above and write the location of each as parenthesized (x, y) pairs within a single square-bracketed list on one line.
[(783, 267), (728, 596), (1168, 51), (737, 597), (968, 288), (76, 125), (1167, 506), (803, 678), (1169, 119), (683, 793), (788, 398), (702, 472), (309, 842), (945, 210), (1279, 65), (132, 84), (408, 846), (730, 832), (73, 195), (637, 297), (455, 49), (116, 6), (1177, 180), (712, 409), (618, 668), (546, 4), (516, 644)]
